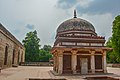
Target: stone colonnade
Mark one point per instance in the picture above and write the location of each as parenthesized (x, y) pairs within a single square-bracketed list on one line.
[(58, 61)]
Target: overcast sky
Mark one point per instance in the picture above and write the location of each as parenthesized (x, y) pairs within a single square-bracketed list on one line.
[(22, 16)]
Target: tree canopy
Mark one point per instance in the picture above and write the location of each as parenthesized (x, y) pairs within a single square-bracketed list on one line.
[(116, 37), (33, 53), (114, 42), (31, 44), (111, 56), (47, 47)]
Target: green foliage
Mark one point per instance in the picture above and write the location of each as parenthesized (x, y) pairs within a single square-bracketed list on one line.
[(31, 44), (32, 51), (116, 37), (44, 56), (47, 47), (109, 42), (114, 42), (111, 57)]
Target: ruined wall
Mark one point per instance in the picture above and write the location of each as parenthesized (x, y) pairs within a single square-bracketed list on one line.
[(10, 51)]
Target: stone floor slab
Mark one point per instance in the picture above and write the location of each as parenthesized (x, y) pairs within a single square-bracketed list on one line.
[(26, 72)]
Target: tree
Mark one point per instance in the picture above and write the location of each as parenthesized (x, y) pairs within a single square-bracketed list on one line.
[(116, 37), (31, 44), (45, 54), (114, 42), (47, 47), (109, 42), (111, 56)]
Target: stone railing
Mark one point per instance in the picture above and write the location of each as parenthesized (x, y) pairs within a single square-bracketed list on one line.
[(36, 64)]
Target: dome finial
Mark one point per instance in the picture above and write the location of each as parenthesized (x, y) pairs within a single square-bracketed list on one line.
[(75, 16)]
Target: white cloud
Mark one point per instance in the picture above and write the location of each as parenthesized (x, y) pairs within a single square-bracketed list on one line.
[(102, 23), (18, 13), (84, 3), (46, 17)]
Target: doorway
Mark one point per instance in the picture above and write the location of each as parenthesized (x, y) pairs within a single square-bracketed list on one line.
[(84, 65), (67, 64)]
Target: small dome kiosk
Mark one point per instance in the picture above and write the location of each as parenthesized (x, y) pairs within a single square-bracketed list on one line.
[(78, 49)]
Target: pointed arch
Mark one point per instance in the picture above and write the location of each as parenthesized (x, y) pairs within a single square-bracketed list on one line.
[(13, 56), (6, 55)]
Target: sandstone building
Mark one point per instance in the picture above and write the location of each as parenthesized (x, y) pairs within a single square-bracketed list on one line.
[(11, 50), (78, 49)]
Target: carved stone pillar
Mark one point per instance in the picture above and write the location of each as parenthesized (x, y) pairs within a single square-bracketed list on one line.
[(74, 61), (60, 61), (23, 55), (104, 62), (54, 62), (92, 62)]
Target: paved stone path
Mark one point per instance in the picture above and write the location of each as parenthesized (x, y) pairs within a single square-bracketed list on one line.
[(26, 72)]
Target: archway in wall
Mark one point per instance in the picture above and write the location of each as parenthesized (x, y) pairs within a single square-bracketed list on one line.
[(6, 55), (98, 62), (13, 56), (67, 64), (18, 56), (22, 57)]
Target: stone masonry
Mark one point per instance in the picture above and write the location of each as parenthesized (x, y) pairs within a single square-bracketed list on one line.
[(11, 50)]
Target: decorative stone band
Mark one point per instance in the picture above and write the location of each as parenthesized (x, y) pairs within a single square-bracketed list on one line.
[(96, 49)]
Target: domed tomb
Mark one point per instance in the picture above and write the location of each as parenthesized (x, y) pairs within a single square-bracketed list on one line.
[(77, 32), (75, 23), (77, 48)]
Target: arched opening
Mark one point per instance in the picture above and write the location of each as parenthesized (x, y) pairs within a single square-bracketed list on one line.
[(22, 57), (98, 59), (67, 66), (18, 56), (13, 56), (6, 55)]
